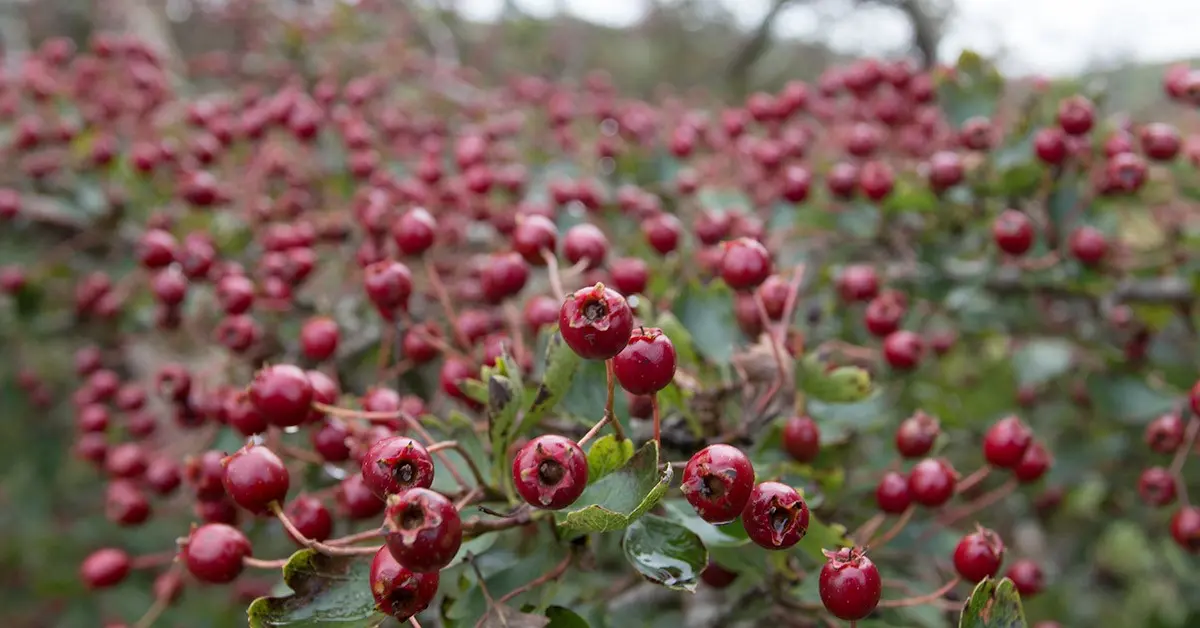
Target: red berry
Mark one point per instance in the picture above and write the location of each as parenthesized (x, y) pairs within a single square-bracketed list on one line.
[(1185, 528), (422, 529), (415, 231), (419, 342), (883, 314), (1034, 464), (774, 294), (533, 234), (931, 482), (356, 499), (1013, 232), (629, 275), (717, 482), (157, 249), (283, 394), (1027, 576), (662, 232), (801, 438), (163, 476), (235, 293), (1005, 443), (503, 276), (104, 568), (1160, 142), (745, 263), (1050, 145), (125, 504), (1164, 435), (978, 555), (858, 282), (775, 516), (206, 474), (1076, 115), (596, 322), (1088, 245), (849, 585), (1156, 486), (319, 338), (400, 592), (876, 179), (717, 576), (451, 376), (891, 495), (213, 553), (396, 464), (254, 477), (242, 415), (903, 349), (585, 241), (389, 285), (647, 364), (126, 460), (916, 435), (550, 472), (311, 518)]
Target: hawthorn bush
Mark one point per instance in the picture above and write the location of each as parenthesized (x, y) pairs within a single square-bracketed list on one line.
[(373, 343)]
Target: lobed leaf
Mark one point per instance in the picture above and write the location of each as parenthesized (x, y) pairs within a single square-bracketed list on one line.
[(665, 552), (327, 591), (607, 455), (620, 497), (993, 605)]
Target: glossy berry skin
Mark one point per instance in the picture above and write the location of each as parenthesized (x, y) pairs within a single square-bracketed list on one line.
[(801, 438), (585, 242), (213, 553), (533, 234), (1050, 145), (596, 322), (1027, 576), (1185, 528), (254, 477), (1005, 442), (647, 364), (1013, 232), (745, 263), (978, 555), (1088, 245), (356, 500), (550, 472), (1076, 115), (283, 394), (389, 285), (717, 482), (1034, 464), (400, 592), (503, 276), (776, 516), (629, 275), (396, 464), (717, 576), (422, 530), (858, 282), (849, 584), (662, 232), (311, 518), (891, 494), (903, 349), (916, 435), (883, 315), (931, 482), (1156, 486), (104, 568), (415, 231), (1164, 435), (319, 338)]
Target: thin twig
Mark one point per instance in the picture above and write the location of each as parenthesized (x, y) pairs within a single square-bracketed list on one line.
[(357, 537), (905, 517), (553, 574), (983, 501), (789, 305), (972, 480), (555, 279), (921, 600), (443, 298), (314, 544), (611, 376), (259, 563), (657, 418)]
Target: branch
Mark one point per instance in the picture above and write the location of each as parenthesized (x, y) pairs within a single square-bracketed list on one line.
[(753, 49)]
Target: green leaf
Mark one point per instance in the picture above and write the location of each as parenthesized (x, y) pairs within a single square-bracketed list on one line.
[(993, 605), (973, 91), (501, 616), (561, 617), (843, 384), (1041, 360), (728, 535), (822, 536), (620, 497), (475, 390), (685, 347), (665, 552), (328, 591), (1128, 399), (587, 395), (561, 366), (1062, 201), (841, 419), (504, 401), (607, 455), (706, 311)]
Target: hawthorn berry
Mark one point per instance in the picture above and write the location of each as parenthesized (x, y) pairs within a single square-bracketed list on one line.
[(414, 232), (125, 504), (396, 464), (1005, 442), (162, 475), (1027, 576), (596, 322), (629, 275), (422, 529), (585, 241), (903, 349), (319, 338), (916, 435), (1088, 245), (717, 482), (883, 315), (254, 477), (647, 364), (801, 438), (745, 263), (1194, 398), (1034, 464), (550, 472), (356, 500), (775, 516), (104, 568), (1013, 232), (978, 555), (213, 553), (891, 494), (1076, 115), (389, 285), (1156, 486), (717, 576), (532, 235), (1050, 145), (398, 591), (283, 394), (1185, 528), (931, 482), (849, 584)]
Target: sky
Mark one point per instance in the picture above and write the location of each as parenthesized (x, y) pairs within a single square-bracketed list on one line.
[(1049, 37)]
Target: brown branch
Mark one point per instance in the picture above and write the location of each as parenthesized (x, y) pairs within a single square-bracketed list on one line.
[(752, 49)]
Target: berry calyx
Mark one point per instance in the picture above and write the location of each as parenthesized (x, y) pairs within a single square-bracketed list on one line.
[(745, 263), (398, 591), (717, 482), (422, 529), (801, 438), (776, 516), (1005, 443), (978, 555), (596, 322), (254, 477), (283, 394), (647, 363), (213, 553), (550, 472), (849, 585), (931, 482), (396, 464)]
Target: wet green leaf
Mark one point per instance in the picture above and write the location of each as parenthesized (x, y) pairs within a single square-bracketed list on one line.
[(620, 497), (607, 455), (327, 591), (561, 617), (665, 552)]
